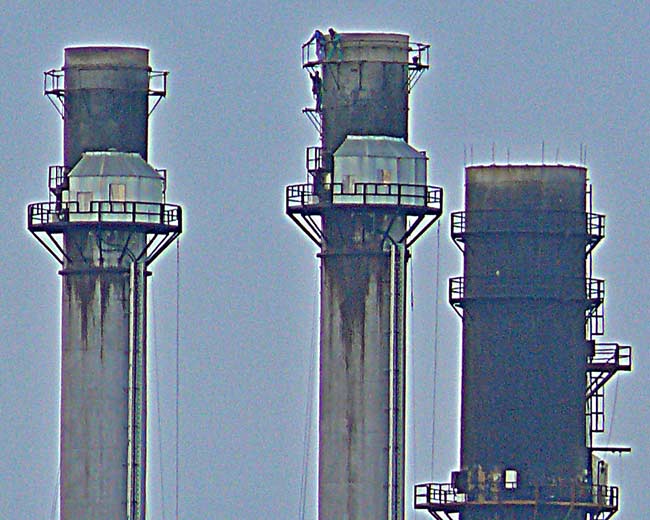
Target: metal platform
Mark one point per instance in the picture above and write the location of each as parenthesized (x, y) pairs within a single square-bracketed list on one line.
[(161, 222), (306, 203), (594, 230), (54, 88), (445, 502), (594, 295)]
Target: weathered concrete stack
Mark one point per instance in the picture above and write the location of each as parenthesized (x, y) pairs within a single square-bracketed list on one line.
[(106, 221), (367, 202), (530, 365)]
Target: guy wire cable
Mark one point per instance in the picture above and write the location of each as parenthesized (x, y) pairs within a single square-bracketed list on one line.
[(435, 350), (178, 319), (157, 389)]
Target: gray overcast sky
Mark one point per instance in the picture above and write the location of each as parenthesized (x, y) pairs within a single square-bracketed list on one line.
[(232, 136)]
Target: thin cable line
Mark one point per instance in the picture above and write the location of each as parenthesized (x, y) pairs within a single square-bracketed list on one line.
[(611, 421), (410, 403), (157, 387), (178, 320), (435, 351), (55, 497), (309, 410)]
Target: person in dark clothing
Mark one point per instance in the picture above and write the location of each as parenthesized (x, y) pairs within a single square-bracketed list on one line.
[(319, 38), (316, 88), (335, 45)]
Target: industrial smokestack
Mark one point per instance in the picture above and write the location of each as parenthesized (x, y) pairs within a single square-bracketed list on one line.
[(530, 363), (365, 203), (105, 222)]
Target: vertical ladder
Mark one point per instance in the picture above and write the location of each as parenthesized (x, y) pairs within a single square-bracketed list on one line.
[(397, 382)]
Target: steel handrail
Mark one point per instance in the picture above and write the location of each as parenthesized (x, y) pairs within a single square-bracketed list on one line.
[(580, 494), (404, 194), (42, 213), (611, 354), (595, 225), (314, 158), (457, 288), (458, 222), (594, 288)]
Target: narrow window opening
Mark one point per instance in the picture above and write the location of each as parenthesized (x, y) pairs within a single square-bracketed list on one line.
[(510, 479), (117, 192), (84, 198)]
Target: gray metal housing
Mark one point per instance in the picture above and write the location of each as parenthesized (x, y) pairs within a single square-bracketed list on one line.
[(379, 159), (114, 186)]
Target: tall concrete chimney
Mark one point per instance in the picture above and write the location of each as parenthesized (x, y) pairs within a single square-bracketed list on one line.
[(105, 222)]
